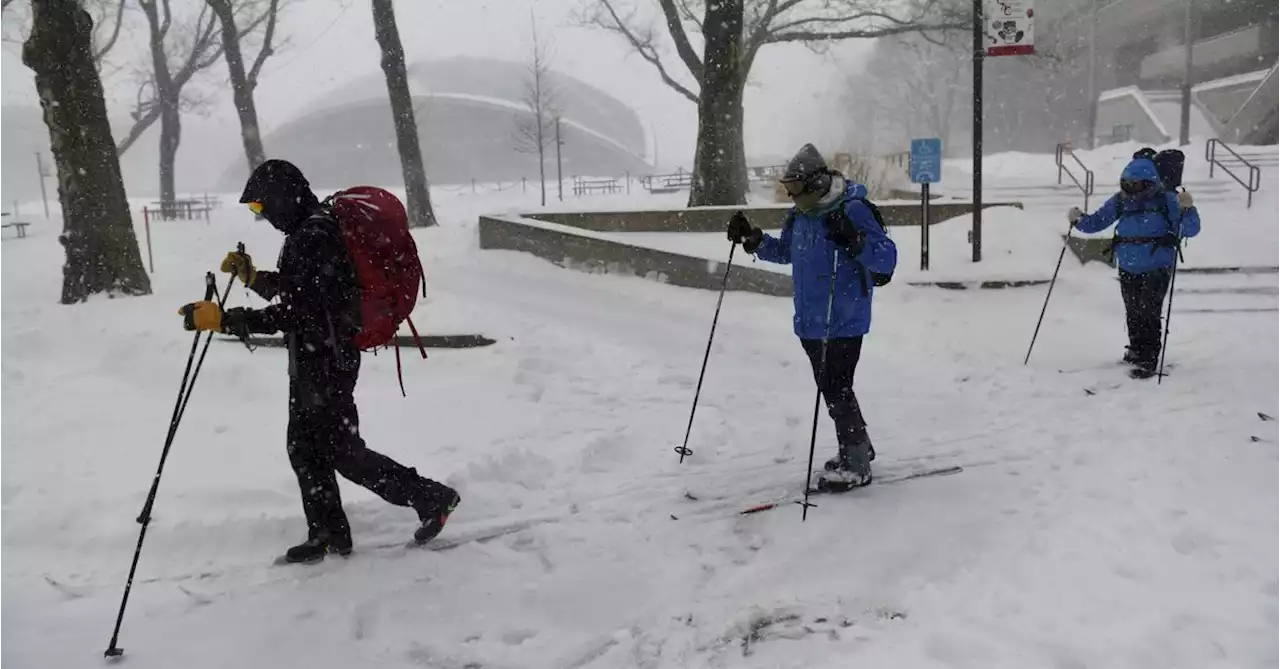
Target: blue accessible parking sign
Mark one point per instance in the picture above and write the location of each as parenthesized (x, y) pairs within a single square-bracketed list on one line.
[(926, 161)]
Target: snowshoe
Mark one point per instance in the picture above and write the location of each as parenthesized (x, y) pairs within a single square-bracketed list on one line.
[(434, 517), (314, 549)]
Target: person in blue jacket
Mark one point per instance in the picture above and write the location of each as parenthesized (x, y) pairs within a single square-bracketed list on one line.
[(831, 227), (1151, 222)]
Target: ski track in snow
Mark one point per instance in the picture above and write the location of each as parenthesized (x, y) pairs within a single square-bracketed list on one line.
[(1131, 527)]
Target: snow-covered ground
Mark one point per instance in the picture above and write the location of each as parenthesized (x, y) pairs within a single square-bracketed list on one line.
[(1098, 522)]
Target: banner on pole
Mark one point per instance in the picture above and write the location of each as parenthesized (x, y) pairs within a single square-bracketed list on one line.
[(1010, 27)]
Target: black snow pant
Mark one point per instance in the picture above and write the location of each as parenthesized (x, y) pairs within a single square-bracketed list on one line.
[(1143, 301), (837, 384), (324, 440)]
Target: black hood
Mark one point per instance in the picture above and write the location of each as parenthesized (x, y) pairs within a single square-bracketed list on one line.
[(285, 194)]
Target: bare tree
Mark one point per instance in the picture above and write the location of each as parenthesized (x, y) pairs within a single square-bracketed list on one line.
[(179, 49), (243, 83), (102, 250), (536, 133), (417, 195), (194, 47), (733, 32), (915, 87)]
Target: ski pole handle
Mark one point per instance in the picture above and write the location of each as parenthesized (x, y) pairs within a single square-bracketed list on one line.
[(210, 286)]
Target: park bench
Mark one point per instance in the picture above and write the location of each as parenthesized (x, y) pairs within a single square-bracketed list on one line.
[(19, 226), (185, 209), (584, 186)]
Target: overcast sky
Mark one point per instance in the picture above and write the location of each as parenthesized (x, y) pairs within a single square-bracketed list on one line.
[(794, 94)]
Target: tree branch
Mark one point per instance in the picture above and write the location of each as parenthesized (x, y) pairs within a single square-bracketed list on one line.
[(272, 10), (836, 35), (643, 44), (683, 48), (100, 52)]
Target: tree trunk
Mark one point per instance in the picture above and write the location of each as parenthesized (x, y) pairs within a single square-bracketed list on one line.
[(542, 160), (170, 137), (415, 175), (241, 87), (167, 97), (719, 166), (102, 251)]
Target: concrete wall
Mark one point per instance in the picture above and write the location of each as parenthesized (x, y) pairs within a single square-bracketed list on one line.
[(575, 249), (713, 219), (589, 250)]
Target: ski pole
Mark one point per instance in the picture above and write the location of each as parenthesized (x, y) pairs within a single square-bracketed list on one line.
[(817, 398), (1173, 280), (683, 450), (1052, 281), (144, 519)]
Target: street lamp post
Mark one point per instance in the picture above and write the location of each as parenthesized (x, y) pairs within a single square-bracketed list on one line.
[(1184, 132)]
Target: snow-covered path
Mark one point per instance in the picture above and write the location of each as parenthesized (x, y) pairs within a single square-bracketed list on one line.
[(1131, 527)]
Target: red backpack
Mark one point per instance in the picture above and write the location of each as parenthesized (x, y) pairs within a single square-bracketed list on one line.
[(375, 228)]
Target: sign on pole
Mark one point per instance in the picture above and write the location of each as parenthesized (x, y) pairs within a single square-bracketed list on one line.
[(1010, 28), (926, 168), (926, 161)]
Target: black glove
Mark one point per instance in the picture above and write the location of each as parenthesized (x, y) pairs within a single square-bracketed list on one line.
[(842, 231), (235, 322), (742, 232)]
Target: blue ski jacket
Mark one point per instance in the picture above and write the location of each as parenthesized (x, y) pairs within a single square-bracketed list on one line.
[(1142, 222), (803, 243)]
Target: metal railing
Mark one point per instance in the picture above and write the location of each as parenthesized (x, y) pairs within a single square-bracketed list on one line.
[(1255, 172), (1063, 151)]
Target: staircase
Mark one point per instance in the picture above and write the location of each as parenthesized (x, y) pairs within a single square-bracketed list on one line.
[(1035, 194), (1234, 294)]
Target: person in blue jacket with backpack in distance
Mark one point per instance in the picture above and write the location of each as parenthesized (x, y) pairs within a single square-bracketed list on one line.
[(831, 228), (1151, 221)]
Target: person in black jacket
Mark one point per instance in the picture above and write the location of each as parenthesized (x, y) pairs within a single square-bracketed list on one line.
[(319, 314)]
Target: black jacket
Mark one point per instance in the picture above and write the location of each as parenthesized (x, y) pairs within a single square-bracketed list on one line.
[(319, 302)]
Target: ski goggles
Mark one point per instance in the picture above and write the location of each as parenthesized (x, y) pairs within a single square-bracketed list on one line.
[(795, 187), (1135, 187), (256, 208)]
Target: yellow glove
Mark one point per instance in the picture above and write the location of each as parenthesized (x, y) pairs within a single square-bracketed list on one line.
[(241, 265), (202, 316)]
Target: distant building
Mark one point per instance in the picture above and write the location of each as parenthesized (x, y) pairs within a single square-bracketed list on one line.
[(1139, 61), (467, 111)]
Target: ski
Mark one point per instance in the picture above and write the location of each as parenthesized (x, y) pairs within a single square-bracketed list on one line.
[(1118, 364), (445, 543), (886, 480)]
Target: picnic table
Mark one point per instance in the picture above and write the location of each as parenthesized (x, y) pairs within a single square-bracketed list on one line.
[(20, 226), (187, 208)]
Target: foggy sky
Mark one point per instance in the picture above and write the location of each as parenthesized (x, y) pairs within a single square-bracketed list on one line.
[(794, 96)]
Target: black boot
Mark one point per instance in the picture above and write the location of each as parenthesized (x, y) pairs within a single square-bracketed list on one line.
[(434, 514), (1143, 368), (853, 466), (314, 549), (1130, 356)]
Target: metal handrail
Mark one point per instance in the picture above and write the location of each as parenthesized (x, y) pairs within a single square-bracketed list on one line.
[(1062, 150), (1255, 172)]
